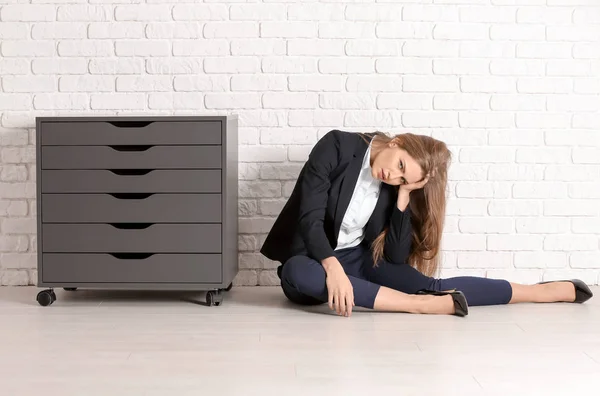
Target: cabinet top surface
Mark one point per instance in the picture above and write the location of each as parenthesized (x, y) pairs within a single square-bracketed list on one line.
[(138, 118)]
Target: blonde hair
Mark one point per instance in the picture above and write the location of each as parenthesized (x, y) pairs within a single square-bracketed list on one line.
[(427, 205)]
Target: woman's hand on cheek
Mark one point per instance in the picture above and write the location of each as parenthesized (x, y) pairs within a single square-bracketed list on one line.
[(414, 186)]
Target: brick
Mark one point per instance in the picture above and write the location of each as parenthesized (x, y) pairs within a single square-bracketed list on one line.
[(144, 83), (515, 172), (232, 100), (573, 33), (484, 260), (10, 173), (20, 48), (572, 2), (540, 260), (299, 153), (330, 118), (518, 32), (317, 83), (467, 207), (13, 31), (170, 30), (404, 30), (547, 85), (404, 66), (433, 13), (584, 260), (53, 66), (316, 11), (514, 242), (488, 14), (373, 83), (262, 154), (13, 243), (542, 120), (585, 121), (515, 208), (14, 66), (13, 137), (461, 31), (256, 225), (247, 207), (571, 207), (28, 84), (485, 49), (289, 64), (272, 207), (200, 12), (348, 30), (568, 68), (231, 65), (61, 101), (466, 172), (178, 100), (452, 242), (201, 83), (288, 136), (485, 225), (280, 171), (544, 50), (288, 29), (541, 225), (518, 102), (118, 101), (430, 49), (143, 12), (488, 84), (572, 173), (260, 118), (587, 155), (461, 101), (586, 51), (59, 30), (461, 66), (451, 227), (87, 48), (584, 190), (15, 101), (430, 84), (14, 278), (274, 100), (543, 155), (248, 136), (368, 47), (477, 189), (313, 47), (346, 65), (587, 85), (269, 278), (288, 188), (519, 2), (247, 243), (517, 67), (246, 278), (461, 1), (142, 48), (201, 47), (254, 261), (486, 119), (374, 12), (231, 29), (522, 276), (19, 226), (570, 242), (27, 13), (241, 47), (257, 12), (258, 83), (76, 12), (255, 189), (429, 119), (405, 101), (585, 225), (375, 119), (13, 208), (545, 15), (341, 101), (116, 66)]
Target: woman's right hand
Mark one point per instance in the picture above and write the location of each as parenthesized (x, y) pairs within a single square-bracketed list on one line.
[(339, 288)]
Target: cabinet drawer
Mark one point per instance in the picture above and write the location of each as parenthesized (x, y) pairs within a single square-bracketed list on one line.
[(124, 132), (131, 208), (142, 157), (137, 181), (106, 268), (155, 238)]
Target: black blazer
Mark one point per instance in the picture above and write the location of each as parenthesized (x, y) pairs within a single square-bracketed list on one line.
[(309, 223)]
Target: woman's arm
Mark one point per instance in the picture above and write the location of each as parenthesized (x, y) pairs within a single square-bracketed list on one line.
[(323, 158), (399, 236)]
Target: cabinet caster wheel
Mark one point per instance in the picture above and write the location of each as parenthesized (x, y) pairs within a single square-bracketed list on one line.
[(46, 297), (213, 298), (69, 288), (229, 287)]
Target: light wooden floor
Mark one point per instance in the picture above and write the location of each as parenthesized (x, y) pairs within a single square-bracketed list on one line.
[(147, 343)]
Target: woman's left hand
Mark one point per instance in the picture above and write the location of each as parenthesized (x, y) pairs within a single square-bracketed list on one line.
[(414, 186)]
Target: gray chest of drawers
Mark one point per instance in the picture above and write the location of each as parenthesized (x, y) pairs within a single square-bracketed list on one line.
[(137, 203)]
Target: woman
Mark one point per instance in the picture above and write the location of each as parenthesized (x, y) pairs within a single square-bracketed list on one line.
[(363, 227)]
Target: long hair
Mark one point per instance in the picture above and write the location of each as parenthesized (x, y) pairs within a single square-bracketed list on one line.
[(427, 205)]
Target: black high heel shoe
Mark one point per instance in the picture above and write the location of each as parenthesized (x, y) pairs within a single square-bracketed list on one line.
[(461, 308), (582, 291)]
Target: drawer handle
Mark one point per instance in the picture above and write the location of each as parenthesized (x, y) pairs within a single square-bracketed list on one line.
[(131, 195), (131, 172), (130, 124), (131, 256), (132, 148), (131, 226)]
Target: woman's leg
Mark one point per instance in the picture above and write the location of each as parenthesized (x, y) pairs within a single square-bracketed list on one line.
[(477, 290), (304, 282)]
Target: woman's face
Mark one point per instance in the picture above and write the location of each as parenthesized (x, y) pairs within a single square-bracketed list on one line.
[(394, 166)]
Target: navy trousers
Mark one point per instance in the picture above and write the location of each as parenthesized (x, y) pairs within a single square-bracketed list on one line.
[(303, 280)]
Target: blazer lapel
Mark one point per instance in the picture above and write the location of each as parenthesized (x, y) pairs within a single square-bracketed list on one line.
[(348, 183)]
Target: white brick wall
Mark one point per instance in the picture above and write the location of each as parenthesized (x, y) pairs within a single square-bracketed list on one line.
[(512, 86)]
